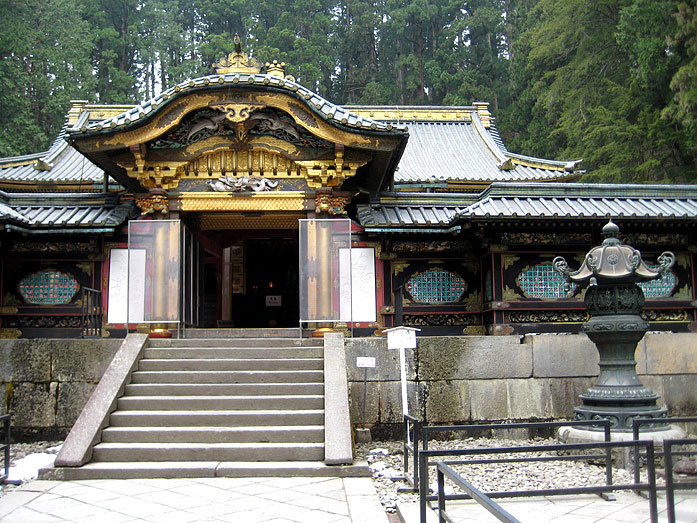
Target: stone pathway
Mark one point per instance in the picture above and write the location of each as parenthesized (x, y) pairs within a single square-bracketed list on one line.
[(586, 508), (238, 500)]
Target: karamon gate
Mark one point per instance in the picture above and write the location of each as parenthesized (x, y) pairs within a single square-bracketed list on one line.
[(241, 158)]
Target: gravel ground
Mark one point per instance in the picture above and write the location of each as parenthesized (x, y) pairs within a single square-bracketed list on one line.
[(386, 459)]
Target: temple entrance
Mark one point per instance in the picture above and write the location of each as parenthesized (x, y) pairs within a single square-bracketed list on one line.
[(271, 287), (250, 279)]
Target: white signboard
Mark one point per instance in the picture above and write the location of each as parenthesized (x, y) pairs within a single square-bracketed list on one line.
[(401, 338), (358, 302), (119, 286), (364, 362)]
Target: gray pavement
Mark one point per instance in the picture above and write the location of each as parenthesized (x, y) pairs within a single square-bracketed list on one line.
[(238, 500), (585, 508)]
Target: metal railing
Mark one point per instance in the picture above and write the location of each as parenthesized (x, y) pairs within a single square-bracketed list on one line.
[(481, 498), (671, 484), (5, 445), (416, 433), (425, 462), (636, 456), (91, 314), (668, 454)]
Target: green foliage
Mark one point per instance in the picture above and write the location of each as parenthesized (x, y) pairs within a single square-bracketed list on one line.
[(609, 81), (593, 82), (43, 64)]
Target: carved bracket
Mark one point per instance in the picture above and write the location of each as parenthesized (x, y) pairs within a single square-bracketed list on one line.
[(334, 205), (150, 204)]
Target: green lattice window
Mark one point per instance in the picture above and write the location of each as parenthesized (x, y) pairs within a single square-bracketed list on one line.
[(542, 281), (436, 286), (48, 287), (661, 287)]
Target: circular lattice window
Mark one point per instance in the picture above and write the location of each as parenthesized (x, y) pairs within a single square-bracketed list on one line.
[(436, 286), (660, 287), (48, 287), (541, 281)]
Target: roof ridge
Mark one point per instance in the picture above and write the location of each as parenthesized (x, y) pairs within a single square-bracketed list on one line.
[(323, 107)]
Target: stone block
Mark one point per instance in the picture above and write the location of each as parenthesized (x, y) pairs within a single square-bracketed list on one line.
[(447, 402), (72, 397), (473, 357), (391, 401), (679, 394), (4, 397), (386, 360), (655, 383), (25, 360), (564, 393), (364, 409), (530, 398), (556, 356), (82, 360), (34, 405), (488, 400), (670, 353)]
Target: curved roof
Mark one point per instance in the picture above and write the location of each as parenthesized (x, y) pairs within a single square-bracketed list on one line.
[(586, 201), (60, 165), (460, 145), (330, 112), (51, 214), (414, 212)]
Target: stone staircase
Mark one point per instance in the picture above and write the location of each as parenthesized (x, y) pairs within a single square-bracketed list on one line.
[(218, 407)]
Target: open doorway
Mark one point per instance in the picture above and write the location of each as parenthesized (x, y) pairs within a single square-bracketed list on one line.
[(251, 281)]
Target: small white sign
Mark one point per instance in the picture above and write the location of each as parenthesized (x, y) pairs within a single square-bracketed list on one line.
[(273, 301), (401, 337), (364, 362)]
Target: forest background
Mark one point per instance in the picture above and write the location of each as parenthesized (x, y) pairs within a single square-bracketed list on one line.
[(611, 81)]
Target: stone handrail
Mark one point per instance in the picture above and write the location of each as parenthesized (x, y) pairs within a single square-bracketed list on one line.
[(338, 449), (77, 449)]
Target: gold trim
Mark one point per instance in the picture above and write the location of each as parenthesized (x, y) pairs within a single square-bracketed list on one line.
[(10, 334), (211, 201), (172, 115), (8, 310), (432, 114)]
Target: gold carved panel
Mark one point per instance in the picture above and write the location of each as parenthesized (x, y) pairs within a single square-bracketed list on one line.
[(273, 201)]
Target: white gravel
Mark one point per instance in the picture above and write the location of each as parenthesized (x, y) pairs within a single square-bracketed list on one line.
[(488, 477)]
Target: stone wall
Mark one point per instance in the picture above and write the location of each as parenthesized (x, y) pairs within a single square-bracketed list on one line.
[(45, 382), (535, 377)]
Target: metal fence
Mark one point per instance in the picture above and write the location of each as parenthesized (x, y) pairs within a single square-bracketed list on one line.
[(669, 452), (91, 314), (417, 435), (434, 458), (417, 458), (5, 445)]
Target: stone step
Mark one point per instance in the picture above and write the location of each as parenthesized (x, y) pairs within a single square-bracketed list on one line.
[(208, 452), (223, 389), (244, 333), (223, 418), (273, 434), (232, 352), (263, 343), (203, 469), (220, 365), (282, 376), (217, 403)]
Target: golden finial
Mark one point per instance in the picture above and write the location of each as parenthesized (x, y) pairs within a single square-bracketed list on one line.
[(237, 61)]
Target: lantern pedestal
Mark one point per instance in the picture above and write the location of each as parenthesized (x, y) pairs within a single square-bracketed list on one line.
[(614, 302)]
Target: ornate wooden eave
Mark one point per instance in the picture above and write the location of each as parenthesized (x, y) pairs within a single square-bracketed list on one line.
[(240, 124)]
